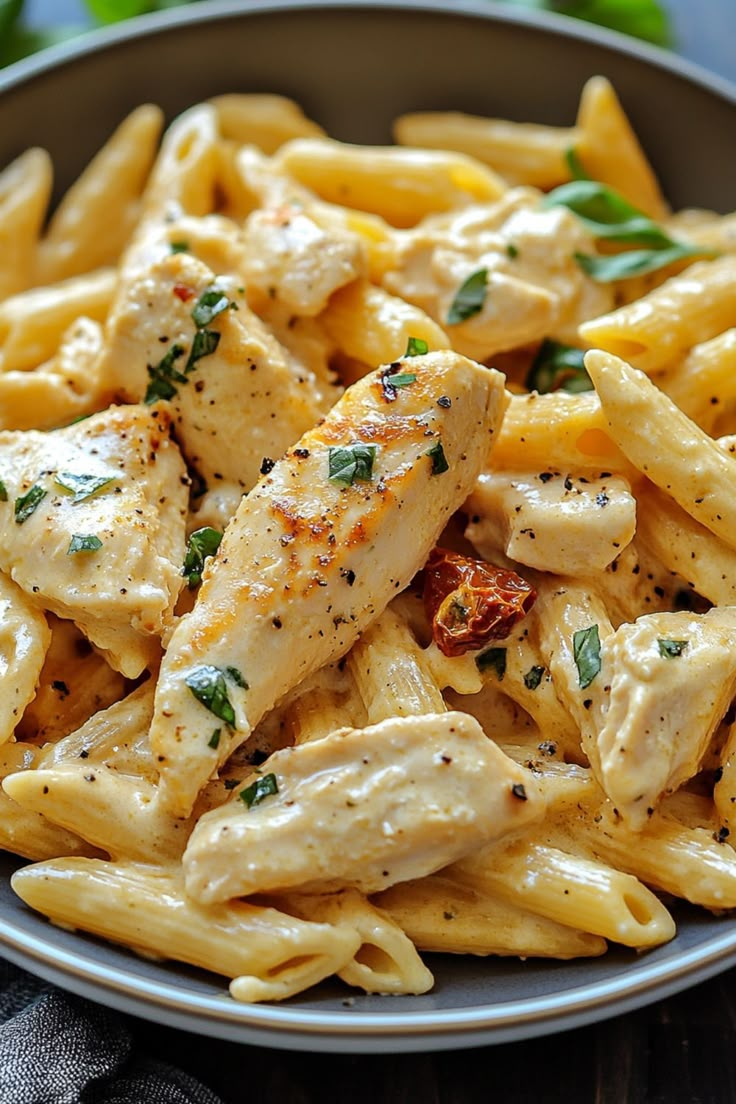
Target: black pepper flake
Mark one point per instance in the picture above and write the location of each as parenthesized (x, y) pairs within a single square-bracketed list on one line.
[(718, 774), (547, 747), (445, 402), (302, 453), (60, 687), (568, 483), (348, 575), (519, 791), (587, 703), (267, 465), (602, 499), (545, 476), (722, 834)]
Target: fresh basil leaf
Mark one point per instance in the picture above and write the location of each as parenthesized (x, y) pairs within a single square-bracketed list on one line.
[(512, 251), (669, 649), (635, 262), (208, 686), (210, 303), (205, 342), (214, 740), (439, 461), (234, 674), (586, 649), (82, 486), (84, 542), (401, 379), (574, 164), (607, 214), (415, 346), (201, 544), (3, 492), (349, 463), (28, 503), (558, 367), (258, 790), (493, 659), (533, 677), (162, 374), (470, 297), (179, 246)]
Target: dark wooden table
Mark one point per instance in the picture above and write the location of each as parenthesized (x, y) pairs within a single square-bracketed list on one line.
[(677, 1051)]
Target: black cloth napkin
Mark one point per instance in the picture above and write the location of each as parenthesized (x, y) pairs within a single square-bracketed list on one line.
[(56, 1048)]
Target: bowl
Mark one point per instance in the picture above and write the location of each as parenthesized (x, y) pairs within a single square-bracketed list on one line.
[(354, 67)]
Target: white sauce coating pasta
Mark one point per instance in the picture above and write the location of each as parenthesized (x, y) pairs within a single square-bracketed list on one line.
[(363, 613)]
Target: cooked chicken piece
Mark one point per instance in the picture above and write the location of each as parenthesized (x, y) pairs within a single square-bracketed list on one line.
[(93, 527), (672, 678), (534, 287), (364, 808), (24, 640), (237, 395), (316, 551), (560, 523)]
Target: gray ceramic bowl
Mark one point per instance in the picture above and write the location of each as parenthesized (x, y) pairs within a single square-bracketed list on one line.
[(353, 67)]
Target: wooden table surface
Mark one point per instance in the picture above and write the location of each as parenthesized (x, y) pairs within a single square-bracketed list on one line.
[(677, 1051)]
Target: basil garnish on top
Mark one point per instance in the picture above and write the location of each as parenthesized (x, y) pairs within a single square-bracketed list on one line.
[(262, 787), (493, 659), (415, 346), (201, 544), (81, 486), (670, 649), (469, 298), (558, 367), (610, 217), (586, 648), (348, 463), (210, 303), (208, 685), (162, 375), (28, 503), (3, 492), (84, 542)]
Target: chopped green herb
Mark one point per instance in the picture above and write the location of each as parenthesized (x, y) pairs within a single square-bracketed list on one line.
[(533, 677), (208, 686), (3, 492), (349, 463), (179, 246), (28, 503), (607, 214), (205, 342), (672, 648), (470, 297), (201, 544), (162, 374), (210, 303), (214, 740), (586, 648), (512, 251), (558, 367), (636, 262), (401, 379), (493, 659), (258, 790), (84, 542), (82, 486), (438, 458), (572, 160), (415, 346), (235, 676)]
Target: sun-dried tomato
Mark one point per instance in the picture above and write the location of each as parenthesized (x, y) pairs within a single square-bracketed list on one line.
[(181, 291), (470, 602)]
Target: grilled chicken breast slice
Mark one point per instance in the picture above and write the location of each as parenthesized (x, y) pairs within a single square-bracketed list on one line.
[(364, 808), (315, 553)]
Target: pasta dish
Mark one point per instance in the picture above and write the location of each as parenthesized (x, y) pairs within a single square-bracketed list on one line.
[(368, 544)]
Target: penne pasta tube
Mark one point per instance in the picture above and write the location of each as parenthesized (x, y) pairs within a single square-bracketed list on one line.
[(724, 791), (400, 185), (259, 119), (689, 308), (610, 150), (24, 641), (522, 153), (386, 960), (115, 812), (81, 236), (580, 893), (442, 913), (665, 445), (269, 954), (703, 383), (33, 323), (25, 188)]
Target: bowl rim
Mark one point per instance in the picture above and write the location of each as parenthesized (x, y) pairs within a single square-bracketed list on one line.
[(154, 23)]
